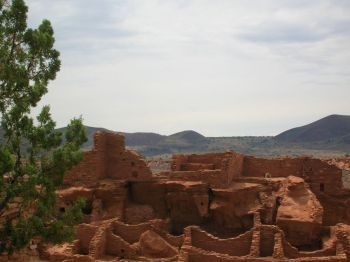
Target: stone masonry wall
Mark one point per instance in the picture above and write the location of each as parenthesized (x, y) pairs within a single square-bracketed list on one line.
[(108, 159), (314, 171), (216, 169), (239, 246), (258, 167), (234, 166)]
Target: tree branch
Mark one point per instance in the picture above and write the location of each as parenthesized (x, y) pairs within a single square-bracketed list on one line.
[(13, 45)]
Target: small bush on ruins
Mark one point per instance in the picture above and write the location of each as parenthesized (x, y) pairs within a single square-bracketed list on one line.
[(29, 178)]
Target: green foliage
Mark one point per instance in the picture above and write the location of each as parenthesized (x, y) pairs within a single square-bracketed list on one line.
[(29, 179)]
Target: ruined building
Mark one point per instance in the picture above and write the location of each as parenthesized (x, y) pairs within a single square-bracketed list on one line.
[(213, 207)]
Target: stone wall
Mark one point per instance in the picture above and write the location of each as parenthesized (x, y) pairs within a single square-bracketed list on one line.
[(108, 159), (234, 166), (262, 243), (150, 193), (319, 174), (216, 169), (132, 233), (259, 167), (322, 176), (215, 178), (85, 232), (117, 246), (239, 246)]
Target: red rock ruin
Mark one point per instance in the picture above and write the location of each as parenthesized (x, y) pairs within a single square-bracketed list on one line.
[(211, 207)]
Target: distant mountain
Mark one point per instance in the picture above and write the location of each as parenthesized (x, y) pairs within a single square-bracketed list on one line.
[(333, 128), (152, 142), (185, 139), (189, 141), (325, 137), (189, 136)]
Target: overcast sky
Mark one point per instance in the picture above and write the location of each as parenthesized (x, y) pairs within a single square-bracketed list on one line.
[(220, 67)]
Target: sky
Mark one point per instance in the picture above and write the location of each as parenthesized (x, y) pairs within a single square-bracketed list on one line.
[(219, 67)]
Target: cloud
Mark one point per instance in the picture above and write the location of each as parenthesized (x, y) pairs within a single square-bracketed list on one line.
[(222, 67), (282, 33), (286, 32)]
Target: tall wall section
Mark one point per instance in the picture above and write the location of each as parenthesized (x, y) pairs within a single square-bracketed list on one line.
[(108, 159), (319, 174), (93, 166)]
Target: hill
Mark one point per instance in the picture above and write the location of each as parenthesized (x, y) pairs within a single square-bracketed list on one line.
[(142, 139), (185, 138), (189, 141), (335, 128), (90, 134), (325, 137), (151, 144)]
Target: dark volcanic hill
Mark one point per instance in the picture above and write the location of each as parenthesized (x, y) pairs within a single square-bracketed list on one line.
[(188, 136), (142, 139), (330, 128)]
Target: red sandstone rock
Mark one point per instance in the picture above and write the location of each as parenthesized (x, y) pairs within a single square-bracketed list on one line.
[(152, 245), (299, 213), (299, 203)]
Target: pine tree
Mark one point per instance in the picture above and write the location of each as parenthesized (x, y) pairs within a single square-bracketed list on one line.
[(33, 158)]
